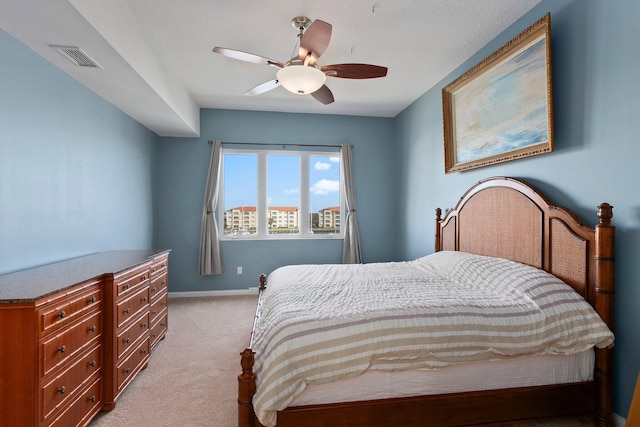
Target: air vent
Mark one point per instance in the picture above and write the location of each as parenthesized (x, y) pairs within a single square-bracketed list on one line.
[(77, 56)]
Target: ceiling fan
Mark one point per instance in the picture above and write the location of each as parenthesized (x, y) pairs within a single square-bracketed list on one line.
[(301, 74)]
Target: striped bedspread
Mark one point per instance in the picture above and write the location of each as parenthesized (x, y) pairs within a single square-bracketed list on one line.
[(320, 323)]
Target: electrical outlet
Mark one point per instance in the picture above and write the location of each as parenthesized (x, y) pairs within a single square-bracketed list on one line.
[(239, 270)]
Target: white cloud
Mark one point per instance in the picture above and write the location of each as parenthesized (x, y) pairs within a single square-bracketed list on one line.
[(321, 166), (292, 191), (324, 187), (334, 159)]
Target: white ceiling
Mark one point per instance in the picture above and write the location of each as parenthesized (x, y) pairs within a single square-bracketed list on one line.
[(158, 67)]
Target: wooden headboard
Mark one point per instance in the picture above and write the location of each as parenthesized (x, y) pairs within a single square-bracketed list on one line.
[(507, 218)]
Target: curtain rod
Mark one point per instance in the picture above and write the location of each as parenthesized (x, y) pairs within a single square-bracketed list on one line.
[(280, 145)]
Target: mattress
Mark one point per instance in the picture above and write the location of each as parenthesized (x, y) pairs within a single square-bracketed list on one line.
[(487, 375)]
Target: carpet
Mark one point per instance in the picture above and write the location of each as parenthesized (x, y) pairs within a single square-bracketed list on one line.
[(190, 380)]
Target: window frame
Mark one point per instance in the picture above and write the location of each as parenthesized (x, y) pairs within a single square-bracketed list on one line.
[(262, 211)]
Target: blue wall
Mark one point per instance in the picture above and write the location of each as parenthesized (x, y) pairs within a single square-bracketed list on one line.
[(182, 170), (75, 172), (595, 64)]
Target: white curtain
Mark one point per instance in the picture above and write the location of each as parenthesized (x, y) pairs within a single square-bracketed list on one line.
[(351, 248), (210, 262)]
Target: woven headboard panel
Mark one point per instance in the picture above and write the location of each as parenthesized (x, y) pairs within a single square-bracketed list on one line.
[(502, 222), (507, 218)]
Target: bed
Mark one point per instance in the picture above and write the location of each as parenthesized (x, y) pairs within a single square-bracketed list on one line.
[(499, 220)]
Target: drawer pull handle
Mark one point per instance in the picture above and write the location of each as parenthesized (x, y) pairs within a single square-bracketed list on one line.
[(92, 329), (62, 389), (144, 299), (92, 363), (92, 299), (62, 314), (144, 351), (92, 399), (126, 286), (154, 289), (153, 335), (153, 313), (126, 370), (126, 311), (164, 283), (143, 325), (153, 270), (62, 349), (126, 340)]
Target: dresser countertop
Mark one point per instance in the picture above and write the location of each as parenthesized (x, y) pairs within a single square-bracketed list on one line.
[(39, 282)]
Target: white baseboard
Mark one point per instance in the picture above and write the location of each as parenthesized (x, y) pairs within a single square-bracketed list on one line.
[(200, 294), (618, 421)]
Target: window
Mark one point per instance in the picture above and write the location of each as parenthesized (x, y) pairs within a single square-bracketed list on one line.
[(280, 194)]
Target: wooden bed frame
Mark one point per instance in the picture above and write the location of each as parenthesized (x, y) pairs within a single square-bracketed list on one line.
[(506, 218)]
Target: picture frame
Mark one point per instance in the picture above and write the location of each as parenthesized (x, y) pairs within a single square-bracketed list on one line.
[(502, 109)]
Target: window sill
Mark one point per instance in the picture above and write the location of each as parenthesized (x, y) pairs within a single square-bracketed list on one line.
[(296, 237)]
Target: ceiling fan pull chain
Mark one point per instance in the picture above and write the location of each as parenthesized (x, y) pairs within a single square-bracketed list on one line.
[(296, 47)]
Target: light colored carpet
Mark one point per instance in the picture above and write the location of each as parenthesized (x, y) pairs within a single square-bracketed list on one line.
[(191, 380)]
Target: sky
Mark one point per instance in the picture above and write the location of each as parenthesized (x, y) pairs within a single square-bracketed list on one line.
[(283, 180)]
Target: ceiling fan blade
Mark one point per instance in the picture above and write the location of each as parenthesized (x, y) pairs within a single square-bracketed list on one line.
[(354, 71), (247, 57), (263, 87), (315, 40), (323, 95)]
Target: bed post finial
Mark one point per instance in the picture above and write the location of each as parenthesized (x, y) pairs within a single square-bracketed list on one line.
[(247, 361), (605, 213), (263, 281)]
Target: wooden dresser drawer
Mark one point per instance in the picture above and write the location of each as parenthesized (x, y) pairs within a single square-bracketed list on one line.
[(129, 281), (158, 328), (58, 348), (131, 336), (129, 367), (66, 385), (62, 311), (131, 306), (158, 305), (159, 267), (158, 286), (82, 409)]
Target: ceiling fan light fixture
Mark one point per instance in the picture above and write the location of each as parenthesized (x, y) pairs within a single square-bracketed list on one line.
[(301, 79)]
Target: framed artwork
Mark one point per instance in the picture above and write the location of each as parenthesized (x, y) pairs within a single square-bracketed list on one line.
[(501, 109)]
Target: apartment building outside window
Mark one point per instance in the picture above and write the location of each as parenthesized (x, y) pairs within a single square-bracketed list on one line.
[(329, 218)]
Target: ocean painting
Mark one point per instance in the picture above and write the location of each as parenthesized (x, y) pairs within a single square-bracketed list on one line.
[(501, 109), (504, 109)]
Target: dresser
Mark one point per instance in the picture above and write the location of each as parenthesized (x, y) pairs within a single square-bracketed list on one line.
[(73, 334)]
